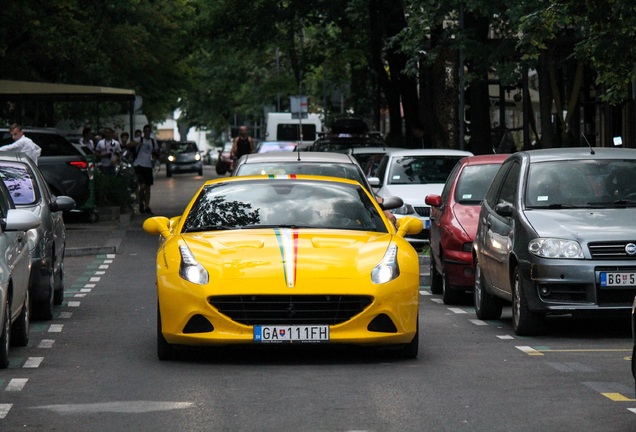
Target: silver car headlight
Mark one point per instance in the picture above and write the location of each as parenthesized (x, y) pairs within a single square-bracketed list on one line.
[(171, 158), (32, 238), (190, 268), (406, 209), (388, 268), (555, 248), (197, 157)]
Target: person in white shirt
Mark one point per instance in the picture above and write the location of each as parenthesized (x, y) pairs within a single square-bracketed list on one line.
[(108, 150), (22, 143)]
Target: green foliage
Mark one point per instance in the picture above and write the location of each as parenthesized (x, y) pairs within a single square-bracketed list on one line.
[(114, 190)]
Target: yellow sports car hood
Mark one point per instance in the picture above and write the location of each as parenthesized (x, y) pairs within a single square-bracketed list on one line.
[(288, 255)]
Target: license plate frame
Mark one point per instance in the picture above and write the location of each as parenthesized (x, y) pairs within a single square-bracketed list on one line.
[(287, 334), (617, 279)]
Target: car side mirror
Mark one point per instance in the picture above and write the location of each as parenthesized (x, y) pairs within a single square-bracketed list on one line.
[(157, 225), (374, 181), (391, 202), (504, 208), (409, 226), (433, 200), (62, 203)]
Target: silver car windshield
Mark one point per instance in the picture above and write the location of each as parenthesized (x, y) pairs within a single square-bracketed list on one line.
[(283, 203), (421, 169), (581, 183)]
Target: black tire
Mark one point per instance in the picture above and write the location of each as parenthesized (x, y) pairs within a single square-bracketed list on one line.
[(58, 295), (200, 172), (411, 349), (44, 310), (20, 328), (5, 338), (165, 351), (449, 295), (168, 172), (436, 278), (486, 306), (524, 321)]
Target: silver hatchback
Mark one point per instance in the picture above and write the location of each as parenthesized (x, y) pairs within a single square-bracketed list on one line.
[(556, 236)]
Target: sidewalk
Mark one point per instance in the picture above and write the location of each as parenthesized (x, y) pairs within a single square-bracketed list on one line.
[(104, 236)]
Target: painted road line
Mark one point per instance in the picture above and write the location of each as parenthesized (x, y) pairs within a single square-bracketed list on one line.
[(478, 322), (4, 410), (16, 384), (457, 310), (505, 337), (66, 315), (425, 293), (100, 273), (56, 328), (529, 350), (86, 290), (46, 343), (33, 362), (103, 267), (111, 256), (117, 407), (108, 261), (632, 410), (95, 279), (90, 286), (617, 397), (73, 304), (80, 295), (437, 300)]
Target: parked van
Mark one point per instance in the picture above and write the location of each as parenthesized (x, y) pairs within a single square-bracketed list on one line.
[(282, 127)]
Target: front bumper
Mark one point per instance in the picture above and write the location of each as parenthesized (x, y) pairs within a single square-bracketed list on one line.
[(183, 306), (562, 286), (184, 166)]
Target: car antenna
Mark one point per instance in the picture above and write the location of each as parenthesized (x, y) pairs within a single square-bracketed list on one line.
[(298, 151), (588, 143)]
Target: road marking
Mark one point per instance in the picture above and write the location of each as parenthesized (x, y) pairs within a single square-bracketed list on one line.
[(73, 304), (94, 279), (66, 315), (505, 337), (101, 273), (117, 407), (108, 261), (617, 397), (4, 410), (33, 362), (425, 293), (103, 267), (16, 384), (478, 322), (457, 310), (46, 343), (437, 300), (111, 256), (56, 328), (529, 350), (86, 290), (632, 410), (80, 295), (90, 286)]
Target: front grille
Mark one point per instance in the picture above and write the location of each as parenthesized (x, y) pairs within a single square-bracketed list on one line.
[(611, 250), (290, 309), (423, 211)]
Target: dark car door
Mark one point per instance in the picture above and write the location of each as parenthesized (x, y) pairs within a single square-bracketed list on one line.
[(500, 226)]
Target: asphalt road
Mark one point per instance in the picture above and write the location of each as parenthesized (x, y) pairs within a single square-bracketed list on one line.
[(94, 366)]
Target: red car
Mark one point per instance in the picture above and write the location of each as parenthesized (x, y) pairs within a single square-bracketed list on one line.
[(454, 217)]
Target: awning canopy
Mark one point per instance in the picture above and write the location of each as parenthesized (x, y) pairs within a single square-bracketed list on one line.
[(39, 91)]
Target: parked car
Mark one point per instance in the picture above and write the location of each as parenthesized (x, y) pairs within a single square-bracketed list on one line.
[(183, 156), (47, 242), (15, 264), (454, 215), (369, 157), (63, 166), (285, 259), (556, 236), (411, 175)]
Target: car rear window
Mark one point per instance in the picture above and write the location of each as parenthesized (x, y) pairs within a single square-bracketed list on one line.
[(19, 182), (51, 144)]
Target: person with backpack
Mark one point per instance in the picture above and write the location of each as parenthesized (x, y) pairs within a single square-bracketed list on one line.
[(144, 151)]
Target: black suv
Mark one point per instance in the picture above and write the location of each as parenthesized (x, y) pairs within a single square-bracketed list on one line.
[(64, 167)]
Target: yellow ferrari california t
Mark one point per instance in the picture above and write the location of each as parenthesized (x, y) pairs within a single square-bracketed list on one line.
[(285, 259)]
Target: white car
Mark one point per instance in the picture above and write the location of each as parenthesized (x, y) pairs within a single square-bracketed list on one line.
[(15, 268), (411, 175)]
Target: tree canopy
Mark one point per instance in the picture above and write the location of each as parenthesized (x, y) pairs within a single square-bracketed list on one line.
[(224, 61)]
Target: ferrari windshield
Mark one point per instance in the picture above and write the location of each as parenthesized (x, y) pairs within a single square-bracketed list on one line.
[(283, 203)]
